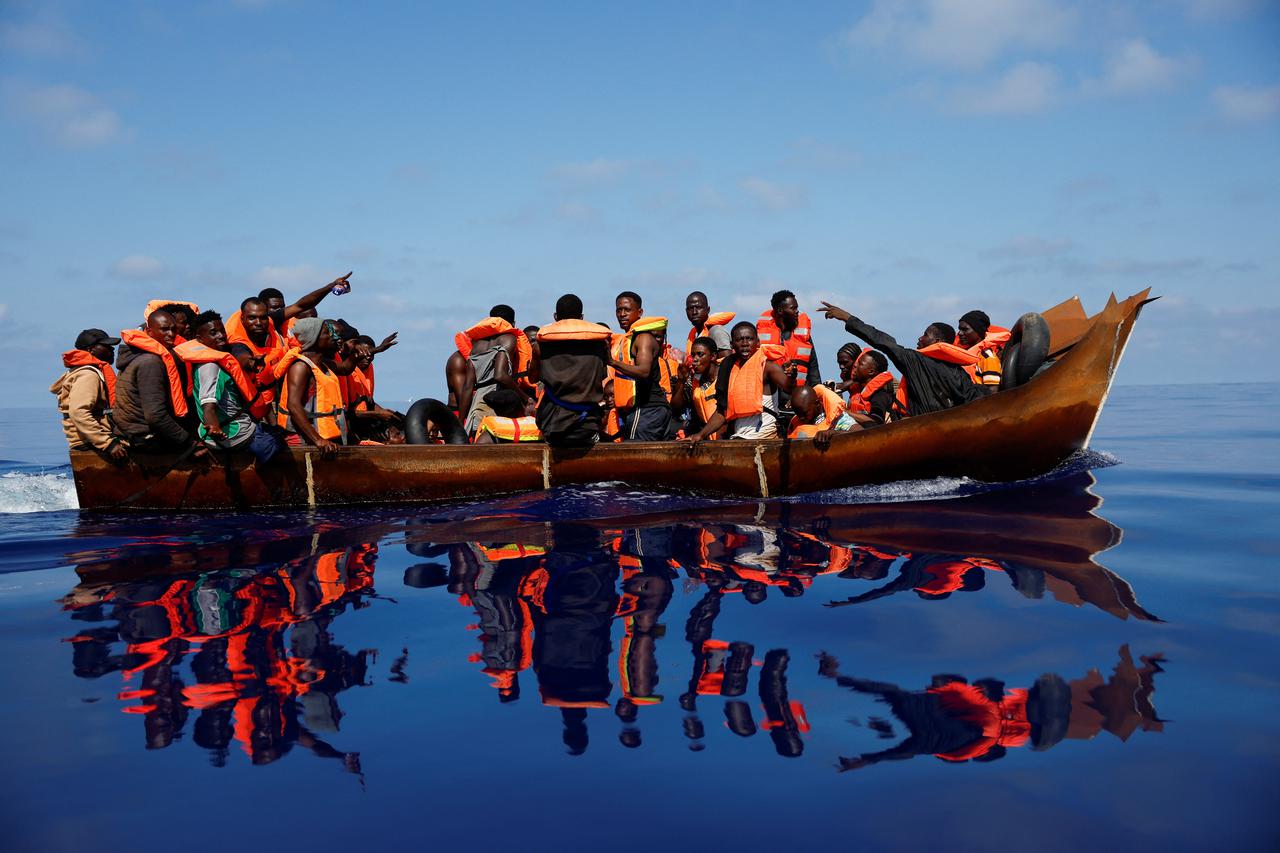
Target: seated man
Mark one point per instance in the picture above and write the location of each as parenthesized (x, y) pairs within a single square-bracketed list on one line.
[(370, 421), (225, 390), (311, 409), (872, 402), (933, 374), (818, 410), (151, 410), (509, 423), (705, 324), (747, 388), (574, 362), (976, 334), (86, 393)]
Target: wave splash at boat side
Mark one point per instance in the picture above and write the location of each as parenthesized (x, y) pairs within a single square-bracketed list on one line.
[(36, 491)]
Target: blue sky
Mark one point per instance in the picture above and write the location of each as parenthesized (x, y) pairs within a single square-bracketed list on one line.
[(908, 160)]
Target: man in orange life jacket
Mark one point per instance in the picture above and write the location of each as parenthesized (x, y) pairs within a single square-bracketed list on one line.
[(311, 400), (646, 386), (746, 389), (933, 373), (151, 410), (785, 326), (226, 396), (490, 364), (281, 314), (574, 361), (975, 333), (871, 403), (707, 325), (86, 393), (933, 577)]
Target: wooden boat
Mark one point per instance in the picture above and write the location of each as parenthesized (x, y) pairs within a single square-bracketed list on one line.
[(1015, 434)]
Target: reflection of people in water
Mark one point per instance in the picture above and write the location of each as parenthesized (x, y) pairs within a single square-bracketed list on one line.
[(646, 592), (571, 645), (955, 720), (932, 576), (250, 687)]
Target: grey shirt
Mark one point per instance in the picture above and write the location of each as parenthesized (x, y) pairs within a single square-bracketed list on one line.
[(215, 385), (719, 334)]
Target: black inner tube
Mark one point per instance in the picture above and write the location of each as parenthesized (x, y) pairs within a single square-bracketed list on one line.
[(1027, 349), (426, 413)]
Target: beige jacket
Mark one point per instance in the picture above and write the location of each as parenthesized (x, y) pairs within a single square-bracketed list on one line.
[(82, 399)]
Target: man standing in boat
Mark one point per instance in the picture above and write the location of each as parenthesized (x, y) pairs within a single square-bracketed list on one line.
[(933, 374), (574, 359), (786, 327), (706, 324)]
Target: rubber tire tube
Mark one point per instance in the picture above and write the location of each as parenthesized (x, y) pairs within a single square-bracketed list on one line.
[(432, 411)]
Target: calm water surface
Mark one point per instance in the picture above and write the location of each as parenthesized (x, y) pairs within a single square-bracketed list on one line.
[(1088, 660)]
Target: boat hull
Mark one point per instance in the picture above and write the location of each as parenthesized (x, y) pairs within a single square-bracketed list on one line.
[(1013, 435)]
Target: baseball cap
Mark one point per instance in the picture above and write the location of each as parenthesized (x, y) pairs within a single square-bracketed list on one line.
[(90, 337)]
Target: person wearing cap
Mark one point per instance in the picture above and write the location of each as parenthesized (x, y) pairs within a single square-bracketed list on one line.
[(86, 393), (976, 334)]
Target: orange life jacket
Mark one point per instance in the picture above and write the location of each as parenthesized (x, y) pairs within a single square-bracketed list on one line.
[(156, 304), (799, 346), (704, 399), (325, 401), (949, 577), (357, 390), (510, 430), (746, 383), (194, 352), (79, 358), (860, 401), (624, 387), (574, 330), (719, 318), (995, 339), (1004, 722), (491, 327), (832, 408), (237, 334), (140, 340)]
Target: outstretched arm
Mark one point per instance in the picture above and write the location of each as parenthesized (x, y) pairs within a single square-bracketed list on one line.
[(312, 299)]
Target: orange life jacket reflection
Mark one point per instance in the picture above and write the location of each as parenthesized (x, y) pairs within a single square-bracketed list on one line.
[(1003, 722), (948, 576), (799, 347)]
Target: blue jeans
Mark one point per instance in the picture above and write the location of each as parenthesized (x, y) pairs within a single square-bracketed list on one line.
[(264, 445)]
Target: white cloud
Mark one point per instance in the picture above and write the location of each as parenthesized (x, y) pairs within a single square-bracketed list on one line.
[(1135, 67), (967, 34), (72, 116), (41, 39), (300, 277), (138, 267), (1029, 87), (772, 195), (1247, 103)]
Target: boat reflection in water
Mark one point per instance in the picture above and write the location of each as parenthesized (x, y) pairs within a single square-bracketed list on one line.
[(240, 634)]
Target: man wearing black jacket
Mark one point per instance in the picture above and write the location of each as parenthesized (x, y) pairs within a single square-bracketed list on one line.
[(144, 411), (932, 383)]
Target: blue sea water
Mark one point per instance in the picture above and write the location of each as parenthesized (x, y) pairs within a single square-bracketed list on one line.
[(1084, 661)]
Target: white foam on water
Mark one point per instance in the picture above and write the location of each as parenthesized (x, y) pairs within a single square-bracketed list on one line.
[(899, 492), (23, 492)]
